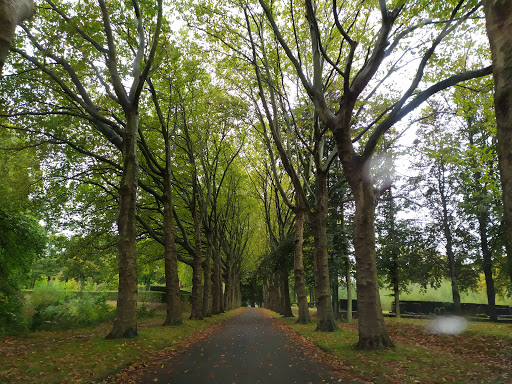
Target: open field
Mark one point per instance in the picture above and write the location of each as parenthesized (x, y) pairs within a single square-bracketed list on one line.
[(84, 355), (483, 354)]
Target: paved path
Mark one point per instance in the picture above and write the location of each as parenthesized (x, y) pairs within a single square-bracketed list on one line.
[(247, 349)]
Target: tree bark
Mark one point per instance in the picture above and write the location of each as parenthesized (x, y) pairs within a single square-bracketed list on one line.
[(394, 252), (170, 252), (12, 13), (217, 283), (300, 286), (125, 323), (452, 269), (325, 317), (498, 15), (207, 276), (335, 300), (227, 283), (349, 289), (197, 310), (287, 307), (487, 265), (372, 329)]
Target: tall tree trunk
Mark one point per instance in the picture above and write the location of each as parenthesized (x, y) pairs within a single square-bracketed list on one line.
[(217, 283), (300, 286), (449, 248), (394, 252), (372, 329), (207, 275), (483, 222), (498, 15), (196, 312), (325, 318), (125, 323), (508, 250), (170, 253), (396, 289), (287, 306), (349, 289), (227, 284), (335, 300), (483, 219)]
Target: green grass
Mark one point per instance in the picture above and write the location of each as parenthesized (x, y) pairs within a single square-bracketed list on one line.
[(84, 355), (481, 355), (443, 294)]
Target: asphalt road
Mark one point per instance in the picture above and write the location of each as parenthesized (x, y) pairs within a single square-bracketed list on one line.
[(247, 349)]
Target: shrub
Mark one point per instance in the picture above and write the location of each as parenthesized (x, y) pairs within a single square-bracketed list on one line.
[(12, 318), (76, 311), (145, 311)]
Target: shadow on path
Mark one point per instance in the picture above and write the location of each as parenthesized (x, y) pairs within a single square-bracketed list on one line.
[(247, 349)]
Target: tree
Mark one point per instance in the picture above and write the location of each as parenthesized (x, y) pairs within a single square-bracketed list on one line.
[(12, 13), (22, 238), (358, 74), (278, 119), (69, 76), (498, 15), (479, 180)]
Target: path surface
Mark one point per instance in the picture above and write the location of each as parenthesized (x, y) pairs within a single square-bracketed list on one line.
[(247, 349)]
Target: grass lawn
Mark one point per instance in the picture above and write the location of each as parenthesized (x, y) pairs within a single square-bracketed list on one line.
[(483, 354), (84, 355)]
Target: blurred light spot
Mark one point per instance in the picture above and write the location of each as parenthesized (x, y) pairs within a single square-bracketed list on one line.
[(449, 325)]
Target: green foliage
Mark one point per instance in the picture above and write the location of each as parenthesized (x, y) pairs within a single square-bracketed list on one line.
[(21, 241), (54, 307), (12, 318)]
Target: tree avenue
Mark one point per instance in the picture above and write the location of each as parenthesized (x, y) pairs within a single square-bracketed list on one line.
[(340, 48), (241, 146)]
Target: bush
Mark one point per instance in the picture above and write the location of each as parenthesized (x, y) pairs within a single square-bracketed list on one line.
[(54, 306), (77, 311), (12, 318), (145, 311)]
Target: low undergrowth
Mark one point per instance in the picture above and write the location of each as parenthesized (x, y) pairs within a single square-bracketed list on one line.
[(84, 355), (483, 354)]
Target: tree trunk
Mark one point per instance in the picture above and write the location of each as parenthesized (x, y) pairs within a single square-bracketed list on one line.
[(12, 13), (487, 265), (227, 284), (335, 300), (325, 318), (396, 294), (197, 298), (170, 252), (300, 286), (217, 283), (125, 322), (372, 329), (394, 252), (498, 14), (207, 276), (287, 307), (349, 289), (449, 248), (508, 250)]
